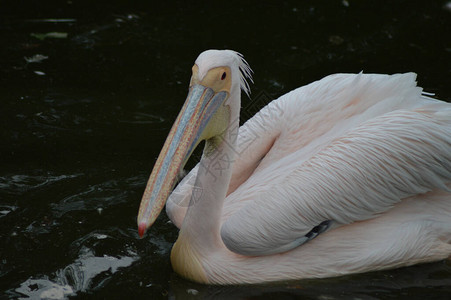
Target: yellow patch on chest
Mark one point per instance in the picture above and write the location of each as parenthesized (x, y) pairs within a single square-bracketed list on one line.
[(185, 261)]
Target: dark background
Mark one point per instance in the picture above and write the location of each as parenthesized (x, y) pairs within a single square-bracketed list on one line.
[(80, 131)]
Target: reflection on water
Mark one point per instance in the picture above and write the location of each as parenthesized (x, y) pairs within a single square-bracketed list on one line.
[(41, 225), (89, 92), (87, 273), (6, 209), (42, 289)]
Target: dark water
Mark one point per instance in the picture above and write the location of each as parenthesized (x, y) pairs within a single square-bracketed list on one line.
[(81, 129)]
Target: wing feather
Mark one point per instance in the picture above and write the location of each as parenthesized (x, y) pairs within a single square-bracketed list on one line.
[(358, 176)]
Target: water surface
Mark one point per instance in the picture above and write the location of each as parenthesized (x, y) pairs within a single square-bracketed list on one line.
[(89, 90)]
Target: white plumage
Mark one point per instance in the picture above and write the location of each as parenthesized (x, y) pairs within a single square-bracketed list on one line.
[(366, 152)]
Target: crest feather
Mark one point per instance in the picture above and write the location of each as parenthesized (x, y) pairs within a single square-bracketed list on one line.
[(245, 72)]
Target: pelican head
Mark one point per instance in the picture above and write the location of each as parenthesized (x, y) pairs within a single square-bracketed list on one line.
[(214, 88)]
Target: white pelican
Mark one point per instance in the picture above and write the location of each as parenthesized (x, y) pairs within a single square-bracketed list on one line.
[(348, 174)]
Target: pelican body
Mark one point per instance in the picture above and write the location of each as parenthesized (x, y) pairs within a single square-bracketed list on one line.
[(351, 173)]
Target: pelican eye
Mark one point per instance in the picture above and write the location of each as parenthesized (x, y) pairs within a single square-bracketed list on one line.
[(223, 76)]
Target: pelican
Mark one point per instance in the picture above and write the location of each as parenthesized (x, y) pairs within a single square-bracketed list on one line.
[(349, 174)]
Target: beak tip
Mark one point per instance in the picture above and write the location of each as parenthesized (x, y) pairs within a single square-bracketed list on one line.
[(142, 228)]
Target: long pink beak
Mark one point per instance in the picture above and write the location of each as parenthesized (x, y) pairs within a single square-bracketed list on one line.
[(186, 133)]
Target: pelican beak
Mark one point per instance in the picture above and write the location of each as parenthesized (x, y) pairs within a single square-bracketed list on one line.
[(192, 125)]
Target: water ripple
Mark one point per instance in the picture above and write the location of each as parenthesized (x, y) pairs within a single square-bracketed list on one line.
[(6, 209), (98, 196), (143, 118), (20, 183)]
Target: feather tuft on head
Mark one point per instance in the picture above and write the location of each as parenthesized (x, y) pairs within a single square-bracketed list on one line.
[(215, 58)]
